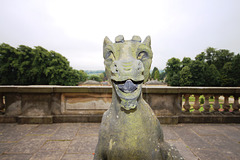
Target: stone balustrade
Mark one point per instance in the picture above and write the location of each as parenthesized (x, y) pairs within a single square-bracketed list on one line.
[(48, 104)]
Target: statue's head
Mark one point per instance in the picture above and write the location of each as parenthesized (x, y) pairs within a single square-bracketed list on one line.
[(127, 66)]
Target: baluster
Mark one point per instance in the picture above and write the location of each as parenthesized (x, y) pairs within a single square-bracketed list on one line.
[(196, 105), (236, 105), (186, 105), (216, 105), (206, 105), (226, 105)]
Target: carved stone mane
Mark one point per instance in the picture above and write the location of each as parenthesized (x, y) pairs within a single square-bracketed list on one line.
[(129, 128)]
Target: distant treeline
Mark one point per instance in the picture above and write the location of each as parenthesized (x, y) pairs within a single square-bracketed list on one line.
[(210, 68), (96, 72)]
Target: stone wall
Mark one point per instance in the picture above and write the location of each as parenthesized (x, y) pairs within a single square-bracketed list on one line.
[(40, 104)]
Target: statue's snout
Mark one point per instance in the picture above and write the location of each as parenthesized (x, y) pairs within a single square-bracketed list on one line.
[(127, 69)]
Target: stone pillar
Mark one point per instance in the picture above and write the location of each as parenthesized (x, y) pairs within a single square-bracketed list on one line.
[(226, 105), (236, 105), (206, 105), (196, 105), (186, 105), (216, 105), (1, 102)]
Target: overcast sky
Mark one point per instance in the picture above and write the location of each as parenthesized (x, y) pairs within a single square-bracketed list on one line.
[(76, 28)]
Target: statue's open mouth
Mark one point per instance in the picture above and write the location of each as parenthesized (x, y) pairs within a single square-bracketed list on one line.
[(128, 86), (128, 91)]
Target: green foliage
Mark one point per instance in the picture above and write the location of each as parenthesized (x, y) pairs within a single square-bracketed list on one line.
[(173, 71), (103, 76), (210, 68), (201, 100), (186, 61), (218, 57), (197, 69), (213, 77), (236, 70), (83, 76), (175, 80), (95, 78), (155, 74), (185, 76), (27, 66), (163, 75), (227, 75)]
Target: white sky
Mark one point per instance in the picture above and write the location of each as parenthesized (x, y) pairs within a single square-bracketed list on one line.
[(76, 28)]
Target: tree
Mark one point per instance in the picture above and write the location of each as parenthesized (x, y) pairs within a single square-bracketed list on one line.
[(95, 78), (227, 79), (9, 65), (200, 57), (83, 76), (173, 68), (210, 68), (24, 63), (186, 61), (197, 69), (155, 74), (212, 76), (185, 76), (25, 66), (163, 75), (218, 57), (236, 69), (175, 80)]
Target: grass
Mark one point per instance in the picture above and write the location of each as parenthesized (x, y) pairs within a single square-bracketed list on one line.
[(192, 99), (210, 110)]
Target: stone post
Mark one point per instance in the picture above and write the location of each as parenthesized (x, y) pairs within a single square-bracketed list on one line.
[(206, 105), (1, 102), (196, 105), (236, 105), (226, 105), (216, 105), (186, 105)]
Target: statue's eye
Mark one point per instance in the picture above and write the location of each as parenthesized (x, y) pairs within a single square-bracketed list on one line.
[(109, 55), (142, 55)]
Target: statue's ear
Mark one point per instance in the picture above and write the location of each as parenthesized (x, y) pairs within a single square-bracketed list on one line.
[(147, 41), (106, 41)]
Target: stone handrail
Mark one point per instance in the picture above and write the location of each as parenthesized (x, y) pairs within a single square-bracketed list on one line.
[(88, 103)]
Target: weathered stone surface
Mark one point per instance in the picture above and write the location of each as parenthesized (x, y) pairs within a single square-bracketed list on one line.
[(36, 104), (15, 157), (67, 131), (83, 145), (56, 103), (47, 155), (13, 104), (191, 139), (55, 145), (27, 146), (163, 105), (226, 134), (77, 156), (35, 119), (129, 128), (44, 130), (85, 103), (183, 149)]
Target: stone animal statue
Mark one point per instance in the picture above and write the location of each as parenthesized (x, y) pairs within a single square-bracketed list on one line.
[(129, 129)]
